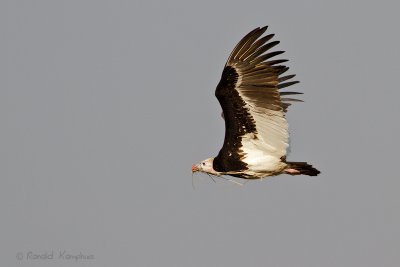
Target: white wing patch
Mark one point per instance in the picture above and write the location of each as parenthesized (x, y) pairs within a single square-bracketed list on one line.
[(258, 157)]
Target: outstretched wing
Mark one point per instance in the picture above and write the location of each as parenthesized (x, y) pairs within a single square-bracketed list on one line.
[(253, 108)]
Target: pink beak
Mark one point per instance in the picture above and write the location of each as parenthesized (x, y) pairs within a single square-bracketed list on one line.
[(195, 168)]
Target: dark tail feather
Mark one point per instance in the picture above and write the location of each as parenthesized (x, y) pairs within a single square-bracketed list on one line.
[(301, 168)]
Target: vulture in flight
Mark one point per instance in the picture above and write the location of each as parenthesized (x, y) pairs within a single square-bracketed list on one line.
[(253, 107)]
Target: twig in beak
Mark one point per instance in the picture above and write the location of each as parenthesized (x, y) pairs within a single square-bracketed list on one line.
[(193, 182), (209, 175), (230, 180)]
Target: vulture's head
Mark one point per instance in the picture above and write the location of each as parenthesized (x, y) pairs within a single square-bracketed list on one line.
[(205, 166)]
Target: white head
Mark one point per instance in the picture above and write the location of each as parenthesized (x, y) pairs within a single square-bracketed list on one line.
[(205, 166)]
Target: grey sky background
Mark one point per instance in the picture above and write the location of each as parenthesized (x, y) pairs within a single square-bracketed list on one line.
[(104, 106)]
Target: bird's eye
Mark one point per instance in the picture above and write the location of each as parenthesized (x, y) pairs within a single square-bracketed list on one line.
[(203, 163)]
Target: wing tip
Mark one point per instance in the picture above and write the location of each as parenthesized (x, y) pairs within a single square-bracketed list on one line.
[(286, 84)]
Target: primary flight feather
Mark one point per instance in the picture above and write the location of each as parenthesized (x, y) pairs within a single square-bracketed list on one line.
[(254, 107)]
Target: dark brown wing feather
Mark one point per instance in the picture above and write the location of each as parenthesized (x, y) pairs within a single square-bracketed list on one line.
[(260, 82)]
